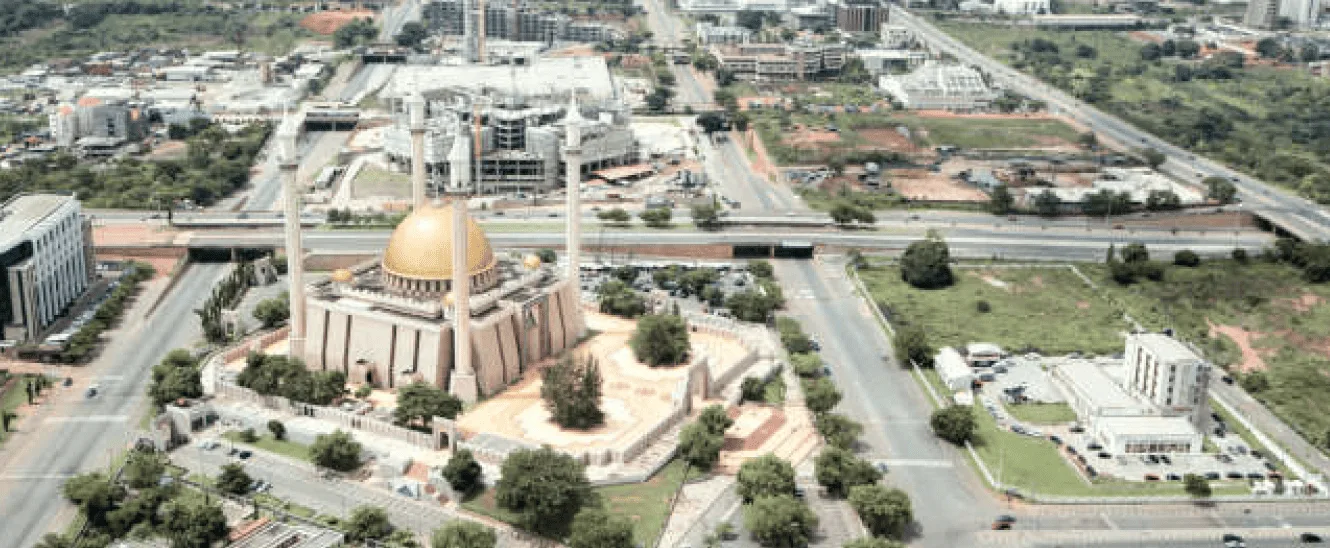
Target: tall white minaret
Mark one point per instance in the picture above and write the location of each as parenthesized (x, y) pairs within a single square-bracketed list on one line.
[(572, 157), (415, 106), (295, 250), (463, 379)]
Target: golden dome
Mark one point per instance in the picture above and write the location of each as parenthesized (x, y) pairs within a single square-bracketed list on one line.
[(531, 262), (342, 276), (421, 248)]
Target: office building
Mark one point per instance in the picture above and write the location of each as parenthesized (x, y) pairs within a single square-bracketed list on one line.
[(1166, 373), (709, 34), (860, 15), (47, 262), (781, 62), (1022, 7), (1268, 14)]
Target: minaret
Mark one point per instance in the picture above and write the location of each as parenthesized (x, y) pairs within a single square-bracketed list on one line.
[(572, 157), (463, 381), (295, 250), (415, 106)]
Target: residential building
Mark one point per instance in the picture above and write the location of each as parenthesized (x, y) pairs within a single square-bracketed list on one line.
[(1022, 7), (953, 369), (47, 262), (1168, 374), (940, 86), (860, 15), (781, 62), (709, 34), (732, 6)]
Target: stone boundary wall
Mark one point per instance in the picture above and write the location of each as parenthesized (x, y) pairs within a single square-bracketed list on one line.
[(343, 419)]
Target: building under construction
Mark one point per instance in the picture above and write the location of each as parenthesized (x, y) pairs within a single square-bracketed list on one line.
[(515, 115)]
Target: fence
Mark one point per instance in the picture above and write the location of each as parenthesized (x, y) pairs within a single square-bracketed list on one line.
[(341, 418)]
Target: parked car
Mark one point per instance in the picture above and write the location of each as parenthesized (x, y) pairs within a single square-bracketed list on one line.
[(245, 454), (1173, 477), (1152, 477), (1233, 541), (1309, 538), (1212, 475), (1055, 440), (1105, 455), (1094, 446), (1234, 475), (1003, 523)]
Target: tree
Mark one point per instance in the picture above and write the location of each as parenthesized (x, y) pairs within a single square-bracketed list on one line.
[(873, 542), (751, 20), (845, 212), (463, 534), (761, 268), (143, 469), (1047, 204), (1220, 189), (911, 345), (1239, 255), (248, 435), (1188, 48), (53, 540), (1196, 486), (176, 377), (367, 523), (278, 429), (954, 424), (1001, 201), (1152, 157), (820, 395), (272, 312), (619, 299), (656, 217), (926, 264), (596, 528), (338, 451), (699, 447), (751, 305), (1163, 200), (571, 390), (1135, 252), (711, 122), (1255, 382), (752, 389), (884, 511), (234, 479), (839, 470), (547, 255), (1187, 258), (195, 524), (1151, 52), (95, 495), (545, 488), (765, 476), (780, 521), (838, 430), (418, 403), (706, 217), (660, 339), (1269, 48), (463, 472), (412, 34), (616, 216)]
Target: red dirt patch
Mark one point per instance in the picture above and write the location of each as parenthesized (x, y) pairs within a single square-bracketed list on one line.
[(1083, 305), (1251, 358), (939, 189), (1304, 303), (1143, 36), (328, 22), (889, 139)]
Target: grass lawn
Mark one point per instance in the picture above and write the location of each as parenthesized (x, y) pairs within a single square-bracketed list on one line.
[(983, 133), (291, 507), (1042, 413), (280, 447), (646, 504), (374, 181), (1048, 309)]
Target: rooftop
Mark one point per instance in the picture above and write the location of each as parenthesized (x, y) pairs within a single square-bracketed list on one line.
[(1096, 386), (1148, 426), (544, 76), (22, 212), (1165, 347)]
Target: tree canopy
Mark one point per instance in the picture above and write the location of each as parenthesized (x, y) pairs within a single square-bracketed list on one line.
[(886, 512), (234, 479), (338, 451), (367, 523), (954, 423), (780, 522), (596, 528), (419, 402), (572, 390), (193, 524), (765, 476), (926, 264), (463, 472), (839, 470), (463, 534), (660, 339), (545, 488)]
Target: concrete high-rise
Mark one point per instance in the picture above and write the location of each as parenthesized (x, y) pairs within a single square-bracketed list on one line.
[(46, 262), (1163, 371), (1261, 13)]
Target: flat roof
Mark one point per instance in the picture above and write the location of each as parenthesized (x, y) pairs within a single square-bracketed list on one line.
[(23, 212), (1148, 426), (1095, 385), (553, 76), (1165, 347)]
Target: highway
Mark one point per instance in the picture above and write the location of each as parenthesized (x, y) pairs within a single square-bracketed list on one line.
[(1295, 214), (393, 17), (315, 149), (77, 434)]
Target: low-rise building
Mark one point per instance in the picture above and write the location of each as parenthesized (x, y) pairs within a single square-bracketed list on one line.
[(953, 369), (781, 62), (709, 34), (885, 61), (896, 36), (1022, 7), (939, 86), (1138, 183), (46, 262), (982, 354)]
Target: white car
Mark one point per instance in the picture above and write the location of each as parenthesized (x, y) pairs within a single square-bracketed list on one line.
[(207, 445)]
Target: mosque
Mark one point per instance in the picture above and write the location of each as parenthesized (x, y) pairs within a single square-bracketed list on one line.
[(399, 319)]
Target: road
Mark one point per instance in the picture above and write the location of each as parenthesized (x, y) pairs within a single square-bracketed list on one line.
[(1293, 213), (316, 149), (394, 17), (81, 434), (975, 243), (949, 503)]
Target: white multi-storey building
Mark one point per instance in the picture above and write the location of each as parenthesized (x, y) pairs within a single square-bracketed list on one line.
[(1166, 373), (45, 262), (1022, 7), (938, 86)]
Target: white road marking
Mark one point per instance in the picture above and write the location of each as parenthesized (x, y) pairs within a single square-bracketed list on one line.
[(1109, 522), (918, 463), (89, 418)]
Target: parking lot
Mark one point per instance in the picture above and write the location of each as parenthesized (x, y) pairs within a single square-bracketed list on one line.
[(646, 277)]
